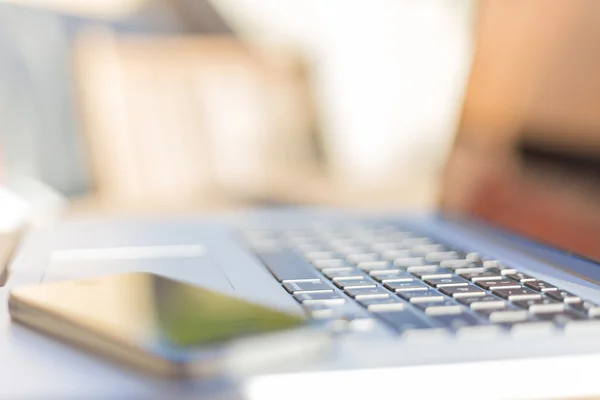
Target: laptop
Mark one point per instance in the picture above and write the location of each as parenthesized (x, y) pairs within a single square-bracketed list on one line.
[(422, 296), (494, 294)]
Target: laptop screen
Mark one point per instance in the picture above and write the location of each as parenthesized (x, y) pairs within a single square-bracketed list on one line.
[(527, 155)]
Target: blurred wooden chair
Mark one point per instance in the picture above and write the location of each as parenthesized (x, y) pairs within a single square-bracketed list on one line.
[(170, 120)]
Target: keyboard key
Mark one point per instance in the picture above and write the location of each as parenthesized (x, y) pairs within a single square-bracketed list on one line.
[(385, 276), (347, 272), (563, 295), (494, 264), (333, 263), (387, 307), (373, 265), (362, 258), (454, 263), (409, 262), (424, 249), (405, 286), (349, 283), (442, 282), (457, 321), (508, 271), (447, 302), (422, 296), (469, 270), (348, 309), (504, 316), (517, 294), (594, 312), (319, 311), (487, 311), (315, 306), (326, 298), (425, 269), (441, 256), (430, 272), (486, 302), (500, 266), (369, 301), (391, 255), (541, 286), (444, 310), (483, 275), (488, 305), (359, 293), (404, 321), (587, 307), (487, 298), (547, 308), (520, 277), (461, 263), (498, 283), (560, 318), (287, 265), (474, 257), (528, 303), (463, 291), (316, 285), (354, 278)]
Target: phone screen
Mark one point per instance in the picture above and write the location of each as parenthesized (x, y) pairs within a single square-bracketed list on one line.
[(152, 312)]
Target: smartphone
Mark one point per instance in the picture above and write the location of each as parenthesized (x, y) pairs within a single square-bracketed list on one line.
[(166, 326)]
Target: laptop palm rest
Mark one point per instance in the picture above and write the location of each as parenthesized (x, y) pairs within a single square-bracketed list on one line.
[(185, 263)]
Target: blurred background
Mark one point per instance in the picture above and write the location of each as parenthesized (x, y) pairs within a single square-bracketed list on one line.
[(167, 105), (138, 106)]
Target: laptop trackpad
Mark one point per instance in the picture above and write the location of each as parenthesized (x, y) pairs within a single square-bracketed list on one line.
[(185, 264)]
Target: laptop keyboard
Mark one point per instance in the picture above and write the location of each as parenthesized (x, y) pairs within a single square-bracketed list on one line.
[(412, 282)]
